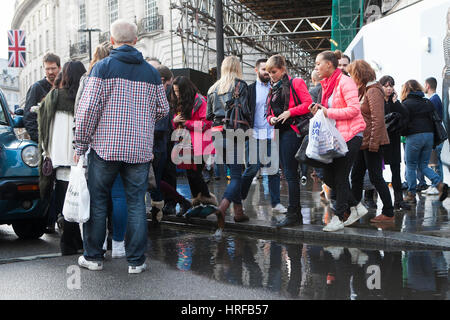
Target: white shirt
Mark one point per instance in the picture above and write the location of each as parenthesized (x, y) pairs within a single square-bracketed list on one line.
[(261, 128)]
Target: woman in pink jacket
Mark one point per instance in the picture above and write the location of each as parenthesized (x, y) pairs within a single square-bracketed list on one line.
[(190, 114), (340, 102)]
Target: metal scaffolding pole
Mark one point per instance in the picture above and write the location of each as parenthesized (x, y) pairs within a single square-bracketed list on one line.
[(219, 36)]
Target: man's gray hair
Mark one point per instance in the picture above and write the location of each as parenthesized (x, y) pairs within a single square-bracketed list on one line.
[(123, 31)]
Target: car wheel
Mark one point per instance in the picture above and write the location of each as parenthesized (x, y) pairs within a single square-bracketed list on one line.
[(31, 229)]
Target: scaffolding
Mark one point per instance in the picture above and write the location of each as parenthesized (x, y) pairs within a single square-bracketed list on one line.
[(247, 35), (348, 18)]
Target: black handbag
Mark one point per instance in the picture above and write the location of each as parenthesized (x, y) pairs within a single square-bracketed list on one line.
[(440, 134), (301, 122), (47, 167), (301, 157)]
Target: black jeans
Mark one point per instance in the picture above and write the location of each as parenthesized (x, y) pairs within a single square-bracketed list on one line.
[(396, 178), (373, 162), (197, 182), (336, 177)]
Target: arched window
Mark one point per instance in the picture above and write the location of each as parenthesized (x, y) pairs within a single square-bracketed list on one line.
[(113, 8)]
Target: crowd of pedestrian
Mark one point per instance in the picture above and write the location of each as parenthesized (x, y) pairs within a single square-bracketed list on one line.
[(122, 113)]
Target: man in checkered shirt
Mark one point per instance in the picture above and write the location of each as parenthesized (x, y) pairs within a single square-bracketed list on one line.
[(122, 100)]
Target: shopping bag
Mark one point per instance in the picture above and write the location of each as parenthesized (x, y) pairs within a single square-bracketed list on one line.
[(325, 141), (77, 202)]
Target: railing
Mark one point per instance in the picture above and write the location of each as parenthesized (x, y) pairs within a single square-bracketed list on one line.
[(78, 49), (151, 24)]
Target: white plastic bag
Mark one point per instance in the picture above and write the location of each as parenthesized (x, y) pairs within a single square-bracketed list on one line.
[(325, 141), (77, 202)]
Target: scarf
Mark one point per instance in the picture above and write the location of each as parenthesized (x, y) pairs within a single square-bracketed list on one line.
[(328, 86), (279, 95)]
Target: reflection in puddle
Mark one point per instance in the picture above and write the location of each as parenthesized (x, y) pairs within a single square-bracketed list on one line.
[(303, 271)]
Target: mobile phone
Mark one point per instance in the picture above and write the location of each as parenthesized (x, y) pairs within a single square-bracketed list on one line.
[(312, 106)]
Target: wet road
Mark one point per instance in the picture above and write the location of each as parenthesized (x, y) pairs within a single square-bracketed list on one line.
[(187, 264)]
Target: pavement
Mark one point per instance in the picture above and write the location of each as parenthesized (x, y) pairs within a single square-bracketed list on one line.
[(424, 227)]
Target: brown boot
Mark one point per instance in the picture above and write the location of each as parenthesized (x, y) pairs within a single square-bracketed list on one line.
[(410, 197), (212, 200), (239, 215), (443, 191), (223, 207)]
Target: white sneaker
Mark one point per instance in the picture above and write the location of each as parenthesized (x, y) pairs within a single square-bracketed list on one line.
[(433, 191), (118, 249), (137, 269), (255, 180), (335, 225), (358, 257), (361, 209), (279, 208), (91, 265), (355, 215)]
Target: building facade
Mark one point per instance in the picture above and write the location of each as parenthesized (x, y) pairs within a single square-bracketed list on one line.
[(9, 83), (55, 26)]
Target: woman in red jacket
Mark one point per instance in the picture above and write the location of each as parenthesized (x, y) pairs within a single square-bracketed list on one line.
[(190, 114), (287, 99)]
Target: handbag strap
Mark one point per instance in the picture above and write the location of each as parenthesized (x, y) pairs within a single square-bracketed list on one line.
[(297, 100)]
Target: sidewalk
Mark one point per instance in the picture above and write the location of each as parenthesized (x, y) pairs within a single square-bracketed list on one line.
[(425, 227)]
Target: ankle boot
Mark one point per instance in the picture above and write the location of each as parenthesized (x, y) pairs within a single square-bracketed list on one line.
[(156, 212), (293, 218), (185, 205), (399, 203), (221, 212), (239, 215)]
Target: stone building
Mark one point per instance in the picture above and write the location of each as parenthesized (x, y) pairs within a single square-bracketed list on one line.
[(54, 26)]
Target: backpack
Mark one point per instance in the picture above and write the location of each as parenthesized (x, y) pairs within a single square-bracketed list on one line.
[(237, 111)]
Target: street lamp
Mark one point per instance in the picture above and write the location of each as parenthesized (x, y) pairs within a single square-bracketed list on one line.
[(90, 39)]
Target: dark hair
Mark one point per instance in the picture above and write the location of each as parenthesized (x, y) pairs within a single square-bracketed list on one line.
[(165, 72), (259, 61), (410, 86), (71, 75), (52, 58), (57, 81), (387, 79), (188, 91), (432, 82), (331, 56), (346, 57)]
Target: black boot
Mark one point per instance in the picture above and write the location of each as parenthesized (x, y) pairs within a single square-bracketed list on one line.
[(368, 199), (293, 218), (399, 203), (185, 205), (170, 208)]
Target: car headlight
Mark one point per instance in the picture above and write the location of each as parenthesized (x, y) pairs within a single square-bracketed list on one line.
[(30, 155)]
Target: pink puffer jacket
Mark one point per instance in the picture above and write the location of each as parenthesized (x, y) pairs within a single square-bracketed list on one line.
[(346, 109)]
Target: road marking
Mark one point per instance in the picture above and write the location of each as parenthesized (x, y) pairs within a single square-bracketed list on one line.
[(30, 258)]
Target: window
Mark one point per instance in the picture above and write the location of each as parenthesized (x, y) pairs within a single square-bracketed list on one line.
[(3, 118), (47, 40), (33, 19), (40, 44), (34, 49), (46, 11), (113, 8), (82, 17), (39, 17), (150, 8)]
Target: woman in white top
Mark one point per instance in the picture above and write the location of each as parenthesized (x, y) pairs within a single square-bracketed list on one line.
[(55, 121)]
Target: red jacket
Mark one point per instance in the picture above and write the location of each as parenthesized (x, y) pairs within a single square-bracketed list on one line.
[(197, 126), (302, 92)]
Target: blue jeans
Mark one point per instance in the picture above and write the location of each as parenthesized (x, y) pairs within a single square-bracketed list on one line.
[(289, 145), (252, 170), (120, 214), (439, 170), (101, 179), (418, 152), (233, 190)]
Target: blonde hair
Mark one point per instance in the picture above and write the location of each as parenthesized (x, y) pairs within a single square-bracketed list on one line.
[(410, 86), (276, 61), (230, 71), (101, 52)]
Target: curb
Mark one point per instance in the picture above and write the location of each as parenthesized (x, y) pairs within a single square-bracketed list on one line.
[(359, 237)]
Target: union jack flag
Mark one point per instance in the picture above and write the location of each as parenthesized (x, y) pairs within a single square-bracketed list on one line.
[(16, 49)]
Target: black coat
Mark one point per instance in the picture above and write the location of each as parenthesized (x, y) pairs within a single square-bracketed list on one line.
[(392, 152), (420, 114), (35, 94), (252, 102)]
